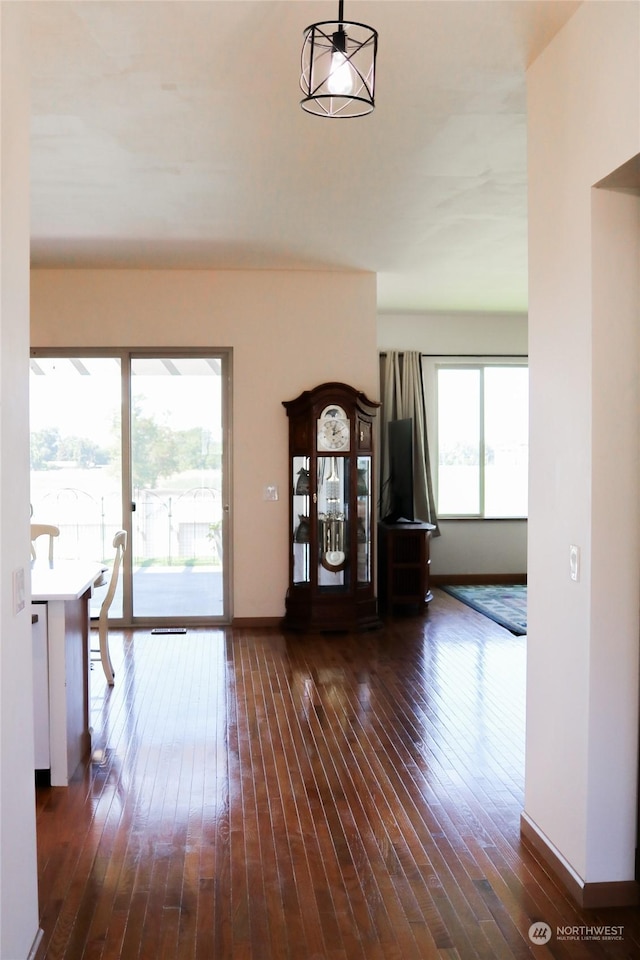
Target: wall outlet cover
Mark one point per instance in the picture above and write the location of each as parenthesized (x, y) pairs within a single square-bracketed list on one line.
[(19, 592), (574, 562)]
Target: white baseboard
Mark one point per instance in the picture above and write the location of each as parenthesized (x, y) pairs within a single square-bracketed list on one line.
[(36, 943)]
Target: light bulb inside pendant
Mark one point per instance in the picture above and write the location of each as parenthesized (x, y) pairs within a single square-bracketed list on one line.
[(340, 79)]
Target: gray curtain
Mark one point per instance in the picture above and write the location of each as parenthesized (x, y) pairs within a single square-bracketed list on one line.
[(403, 396)]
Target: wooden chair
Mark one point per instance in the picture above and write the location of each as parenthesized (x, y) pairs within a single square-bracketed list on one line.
[(43, 530), (120, 543)]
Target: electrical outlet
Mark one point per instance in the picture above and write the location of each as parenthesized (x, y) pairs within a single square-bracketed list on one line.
[(270, 492), (19, 592), (574, 562)]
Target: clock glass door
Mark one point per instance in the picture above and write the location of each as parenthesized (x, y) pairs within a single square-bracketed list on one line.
[(333, 521), (301, 520), (364, 519)]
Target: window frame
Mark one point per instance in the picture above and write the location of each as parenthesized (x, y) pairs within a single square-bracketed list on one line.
[(431, 364)]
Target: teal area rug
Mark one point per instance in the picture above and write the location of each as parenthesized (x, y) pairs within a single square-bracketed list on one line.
[(506, 604)]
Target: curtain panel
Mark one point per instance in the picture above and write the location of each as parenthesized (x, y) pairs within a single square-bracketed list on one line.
[(401, 389)]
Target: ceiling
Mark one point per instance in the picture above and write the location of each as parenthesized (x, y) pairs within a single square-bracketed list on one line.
[(169, 134)]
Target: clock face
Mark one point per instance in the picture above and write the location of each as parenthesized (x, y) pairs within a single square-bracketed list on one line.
[(334, 433)]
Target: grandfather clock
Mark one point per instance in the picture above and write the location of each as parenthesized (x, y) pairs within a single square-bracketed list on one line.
[(331, 544)]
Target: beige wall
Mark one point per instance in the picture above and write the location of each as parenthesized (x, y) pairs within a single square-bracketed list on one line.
[(584, 250), (289, 330)]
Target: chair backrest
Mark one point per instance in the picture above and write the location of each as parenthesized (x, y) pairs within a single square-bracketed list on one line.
[(43, 530), (120, 543)]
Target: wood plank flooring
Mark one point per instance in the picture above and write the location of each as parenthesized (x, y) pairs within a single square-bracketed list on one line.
[(260, 796)]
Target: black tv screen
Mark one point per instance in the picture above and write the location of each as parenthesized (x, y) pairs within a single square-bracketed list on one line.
[(400, 438)]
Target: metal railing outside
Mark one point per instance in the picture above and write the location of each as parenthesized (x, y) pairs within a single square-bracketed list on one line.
[(169, 528)]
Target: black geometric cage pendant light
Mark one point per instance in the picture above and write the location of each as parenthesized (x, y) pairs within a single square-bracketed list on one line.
[(338, 68)]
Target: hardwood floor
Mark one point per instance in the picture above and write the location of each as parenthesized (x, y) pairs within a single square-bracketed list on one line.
[(260, 796)]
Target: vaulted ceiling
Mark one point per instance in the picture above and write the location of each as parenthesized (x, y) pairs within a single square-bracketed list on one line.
[(169, 134)]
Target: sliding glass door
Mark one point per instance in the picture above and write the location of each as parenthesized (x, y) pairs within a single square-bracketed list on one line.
[(76, 441), (137, 441), (177, 547)]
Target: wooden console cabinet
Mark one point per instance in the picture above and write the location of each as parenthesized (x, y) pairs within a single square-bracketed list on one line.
[(403, 564)]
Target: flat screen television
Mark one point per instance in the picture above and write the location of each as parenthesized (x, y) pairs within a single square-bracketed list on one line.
[(400, 440)]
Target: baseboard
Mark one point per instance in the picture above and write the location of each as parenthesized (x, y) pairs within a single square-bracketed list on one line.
[(475, 579), (248, 623), (36, 943), (588, 896)]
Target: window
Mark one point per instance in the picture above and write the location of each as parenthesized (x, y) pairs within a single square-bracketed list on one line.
[(479, 423)]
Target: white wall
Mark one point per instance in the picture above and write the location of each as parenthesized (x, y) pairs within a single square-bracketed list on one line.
[(483, 547), (285, 339), (584, 251), (18, 872), (453, 333)]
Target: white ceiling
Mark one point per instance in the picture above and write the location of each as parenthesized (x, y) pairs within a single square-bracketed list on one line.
[(169, 134)]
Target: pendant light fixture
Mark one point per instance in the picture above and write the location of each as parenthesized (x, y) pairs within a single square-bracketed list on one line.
[(338, 68)]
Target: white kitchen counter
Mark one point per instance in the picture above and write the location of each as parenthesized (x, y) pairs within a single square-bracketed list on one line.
[(65, 580), (65, 588)]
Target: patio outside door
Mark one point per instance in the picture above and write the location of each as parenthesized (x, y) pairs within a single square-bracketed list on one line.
[(125, 439)]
